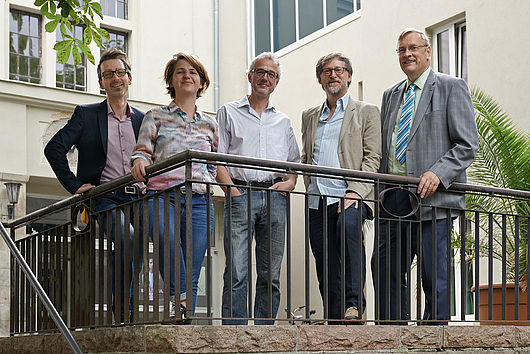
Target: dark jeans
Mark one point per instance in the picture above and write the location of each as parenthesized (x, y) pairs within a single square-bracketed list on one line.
[(392, 303), (355, 256), (111, 201)]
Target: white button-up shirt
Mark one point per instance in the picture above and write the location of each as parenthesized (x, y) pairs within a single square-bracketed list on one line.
[(243, 132)]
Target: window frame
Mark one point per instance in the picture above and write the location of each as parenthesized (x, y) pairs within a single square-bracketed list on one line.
[(28, 77), (298, 42), (454, 29)]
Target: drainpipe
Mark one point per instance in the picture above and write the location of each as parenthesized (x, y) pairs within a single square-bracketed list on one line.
[(249, 36), (216, 53)]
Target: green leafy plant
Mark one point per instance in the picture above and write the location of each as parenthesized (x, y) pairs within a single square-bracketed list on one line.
[(502, 160), (66, 14)]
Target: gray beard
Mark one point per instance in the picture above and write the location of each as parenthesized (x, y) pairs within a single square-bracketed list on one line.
[(333, 90)]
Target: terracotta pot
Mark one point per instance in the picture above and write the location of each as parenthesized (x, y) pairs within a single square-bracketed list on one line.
[(497, 305)]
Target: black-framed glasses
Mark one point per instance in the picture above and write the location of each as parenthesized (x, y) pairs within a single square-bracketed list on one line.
[(412, 49), (271, 74), (110, 73), (339, 70)]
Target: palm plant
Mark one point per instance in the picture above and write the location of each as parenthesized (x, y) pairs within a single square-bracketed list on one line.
[(502, 160)]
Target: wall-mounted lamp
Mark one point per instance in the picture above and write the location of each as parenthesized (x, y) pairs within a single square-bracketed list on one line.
[(13, 190)]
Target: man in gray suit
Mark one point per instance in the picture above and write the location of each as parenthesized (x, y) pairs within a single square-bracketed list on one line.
[(428, 131), (343, 133)]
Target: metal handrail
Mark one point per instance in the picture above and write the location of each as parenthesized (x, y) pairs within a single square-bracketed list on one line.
[(215, 158), (40, 291)]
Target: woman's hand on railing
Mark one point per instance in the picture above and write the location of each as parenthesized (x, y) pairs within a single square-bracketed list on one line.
[(84, 188), (138, 169)]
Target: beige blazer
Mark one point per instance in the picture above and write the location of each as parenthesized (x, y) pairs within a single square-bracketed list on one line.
[(359, 143)]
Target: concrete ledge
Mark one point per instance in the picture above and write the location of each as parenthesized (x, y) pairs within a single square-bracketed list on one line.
[(282, 338)]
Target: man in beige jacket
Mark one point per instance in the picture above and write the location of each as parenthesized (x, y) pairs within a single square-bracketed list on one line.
[(343, 133)]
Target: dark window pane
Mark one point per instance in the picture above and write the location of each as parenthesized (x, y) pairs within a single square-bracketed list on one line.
[(443, 52), (13, 43), (25, 24), (13, 64), (34, 67), (23, 66), (80, 75), (358, 4), (34, 47), (284, 23), (23, 47), (34, 26), (337, 9), (463, 53), (262, 31), (34, 81), (69, 74), (310, 16)]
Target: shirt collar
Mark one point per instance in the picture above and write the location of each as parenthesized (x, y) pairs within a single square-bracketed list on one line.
[(172, 107), (420, 81), (244, 102), (341, 106), (110, 112)]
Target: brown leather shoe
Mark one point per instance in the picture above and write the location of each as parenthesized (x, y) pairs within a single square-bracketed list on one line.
[(351, 316)]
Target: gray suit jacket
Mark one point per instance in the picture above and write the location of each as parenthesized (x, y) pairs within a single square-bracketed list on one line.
[(443, 136), (359, 143)]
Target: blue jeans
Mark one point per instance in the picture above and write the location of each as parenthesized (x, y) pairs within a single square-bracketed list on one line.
[(236, 245), (111, 201), (355, 256), (199, 227)]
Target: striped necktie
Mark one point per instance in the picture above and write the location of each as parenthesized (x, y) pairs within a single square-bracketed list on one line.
[(404, 125)]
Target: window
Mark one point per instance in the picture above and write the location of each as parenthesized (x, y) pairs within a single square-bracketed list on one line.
[(114, 8), (450, 49), (24, 46), (279, 23), (116, 40), (68, 75)]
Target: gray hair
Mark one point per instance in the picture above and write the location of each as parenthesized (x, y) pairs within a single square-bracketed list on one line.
[(414, 30), (266, 55), (329, 57)]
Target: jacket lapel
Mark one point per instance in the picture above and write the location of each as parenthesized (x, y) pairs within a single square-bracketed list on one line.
[(136, 122), (348, 118), (395, 101), (103, 124), (425, 99), (313, 131)]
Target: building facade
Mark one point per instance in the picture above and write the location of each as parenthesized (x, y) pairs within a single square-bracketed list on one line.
[(482, 42)]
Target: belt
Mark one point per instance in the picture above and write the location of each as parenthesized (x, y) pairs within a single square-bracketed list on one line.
[(264, 184), (129, 190)]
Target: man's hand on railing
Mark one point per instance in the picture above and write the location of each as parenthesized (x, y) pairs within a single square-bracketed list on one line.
[(287, 185), (138, 169), (349, 202), (428, 184), (84, 188)]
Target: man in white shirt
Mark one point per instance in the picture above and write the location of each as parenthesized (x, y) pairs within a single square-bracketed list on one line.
[(253, 127)]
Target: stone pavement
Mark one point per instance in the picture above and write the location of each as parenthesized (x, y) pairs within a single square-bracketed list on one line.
[(279, 338)]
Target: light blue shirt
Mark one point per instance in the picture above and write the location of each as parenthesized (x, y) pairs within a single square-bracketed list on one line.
[(325, 153)]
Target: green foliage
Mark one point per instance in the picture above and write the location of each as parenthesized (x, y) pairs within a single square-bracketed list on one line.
[(66, 14), (503, 161)]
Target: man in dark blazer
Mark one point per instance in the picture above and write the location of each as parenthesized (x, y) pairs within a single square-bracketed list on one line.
[(343, 133), (104, 135), (428, 131)]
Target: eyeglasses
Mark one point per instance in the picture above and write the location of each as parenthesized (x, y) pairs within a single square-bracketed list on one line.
[(271, 74), (109, 74), (338, 70), (412, 49)]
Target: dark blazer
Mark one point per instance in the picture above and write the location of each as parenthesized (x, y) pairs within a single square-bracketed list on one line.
[(443, 137), (87, 130), (359, 143)]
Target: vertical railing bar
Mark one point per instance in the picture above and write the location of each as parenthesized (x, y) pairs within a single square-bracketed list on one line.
[(167, 248), (343, 246), (463, 263), (127, 276), (136, 254), (324, 201), (249, 251), (209, 236), (101, 269), (503, 218), (189, 242), (490, 266), (108, 237), (156, 262), (145, 258), (398, 279), (434, 292), (119, 230), (289, 250), (516, 277), (269, 255), (477, 266), (306, 257), (376, 252)]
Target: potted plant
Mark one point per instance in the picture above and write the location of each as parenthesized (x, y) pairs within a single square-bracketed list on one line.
[(502, 160)]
